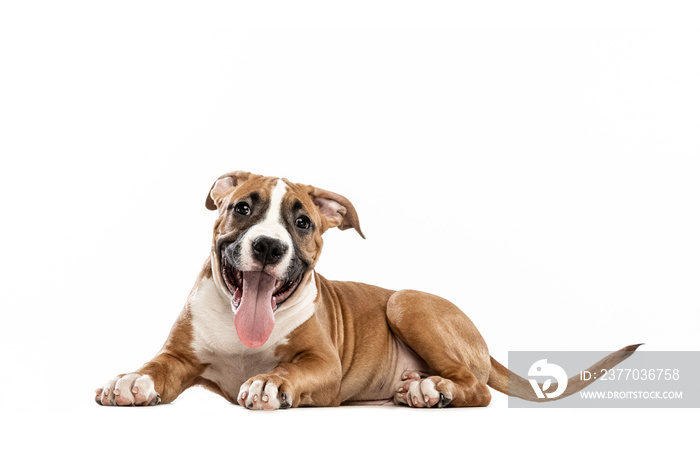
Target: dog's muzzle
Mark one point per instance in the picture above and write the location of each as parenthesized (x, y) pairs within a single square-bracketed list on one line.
[(255, 294)]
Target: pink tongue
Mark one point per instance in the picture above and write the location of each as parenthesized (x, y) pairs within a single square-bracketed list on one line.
[(254, 318)]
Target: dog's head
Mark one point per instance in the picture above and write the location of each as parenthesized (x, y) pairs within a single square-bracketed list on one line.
[(267, 240)]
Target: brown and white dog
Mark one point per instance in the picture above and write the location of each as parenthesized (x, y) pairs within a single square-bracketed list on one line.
[(263, 329)]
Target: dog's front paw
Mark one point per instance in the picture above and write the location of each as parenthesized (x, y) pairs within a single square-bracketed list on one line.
[(265, 392), (128, 390)]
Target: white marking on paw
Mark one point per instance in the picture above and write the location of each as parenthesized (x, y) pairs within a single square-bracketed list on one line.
[(417, 393), (129, 390), (259, 395), (270, 396), (427, 387), (255, 392), (415, 397), (243, 393)]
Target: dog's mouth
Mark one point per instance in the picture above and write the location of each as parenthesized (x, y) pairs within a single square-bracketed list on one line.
[(236, 280), (255, 296)]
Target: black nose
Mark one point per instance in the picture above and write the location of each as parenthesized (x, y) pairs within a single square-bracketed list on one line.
[(268, 250)]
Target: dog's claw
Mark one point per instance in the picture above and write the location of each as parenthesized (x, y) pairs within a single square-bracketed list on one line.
[(285, 402)]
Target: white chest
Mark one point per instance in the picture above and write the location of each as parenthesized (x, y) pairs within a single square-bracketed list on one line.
[(216, 343)]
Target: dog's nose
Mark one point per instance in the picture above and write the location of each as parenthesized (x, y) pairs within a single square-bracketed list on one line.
[(268, 250)]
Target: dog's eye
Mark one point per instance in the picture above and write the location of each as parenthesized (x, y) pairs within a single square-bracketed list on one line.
[(242, 208), (303, 222)]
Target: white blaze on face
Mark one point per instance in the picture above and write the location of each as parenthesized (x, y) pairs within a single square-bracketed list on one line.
[(254, 314), (271, 226)]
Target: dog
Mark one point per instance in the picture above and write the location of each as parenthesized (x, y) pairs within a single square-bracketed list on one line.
[(263, 329)]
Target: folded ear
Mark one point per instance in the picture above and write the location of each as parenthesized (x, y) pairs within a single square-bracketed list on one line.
[(335, 209), (223, 185)]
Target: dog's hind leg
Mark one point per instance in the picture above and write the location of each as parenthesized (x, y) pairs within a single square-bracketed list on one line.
[(444, 337)]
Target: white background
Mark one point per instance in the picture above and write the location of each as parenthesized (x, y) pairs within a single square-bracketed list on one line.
[(536, 165)]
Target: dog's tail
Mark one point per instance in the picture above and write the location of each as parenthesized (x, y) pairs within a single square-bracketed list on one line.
[(505, 381)]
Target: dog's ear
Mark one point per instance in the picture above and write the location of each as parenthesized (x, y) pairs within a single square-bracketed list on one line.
[(223, 185), (335, 209)]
